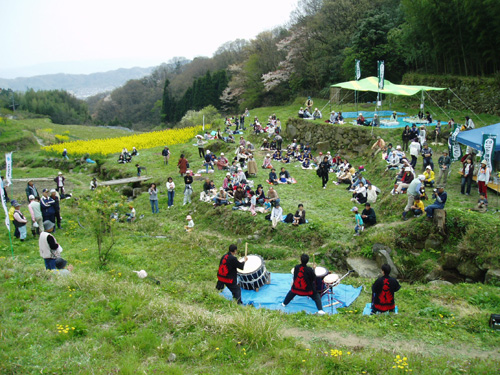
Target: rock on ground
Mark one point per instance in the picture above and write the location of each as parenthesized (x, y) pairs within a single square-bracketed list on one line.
[(364, 267)]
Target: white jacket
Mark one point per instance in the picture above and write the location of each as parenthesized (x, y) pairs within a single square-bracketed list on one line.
[(415, 149)]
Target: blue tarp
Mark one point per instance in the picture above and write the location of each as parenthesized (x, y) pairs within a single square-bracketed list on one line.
[(474, 138), (272, 295)]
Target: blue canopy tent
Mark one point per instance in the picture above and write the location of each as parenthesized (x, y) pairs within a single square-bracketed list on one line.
[(474, 139)]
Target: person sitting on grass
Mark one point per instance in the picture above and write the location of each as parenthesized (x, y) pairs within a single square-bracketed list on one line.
[(306, 164), (317, 114), (272, 196), (383, 290), (221, 198), (265, 145), (284, 177), (276, 215), (61, 267), (368, 215), (277, 155), (429, 176), (266, 164), (286, 159), (259, 194), (359, 225), (273, 178), (131, 215), (300, 215), (239, 197), (190, 225), (482, 204), (359, 194), (418, 207), (222, 162)]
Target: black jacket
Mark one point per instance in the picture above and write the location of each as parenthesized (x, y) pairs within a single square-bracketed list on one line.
[(304, 279), (383, 290), (227, 269)]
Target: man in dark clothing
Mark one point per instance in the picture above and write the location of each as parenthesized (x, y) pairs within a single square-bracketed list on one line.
[(47, 206), (239, 196), (427, 154), (57, 207), (368, 215), (273, 178), (383, 290), (304, 284), (441, 196), (227, 274), (166, 155)]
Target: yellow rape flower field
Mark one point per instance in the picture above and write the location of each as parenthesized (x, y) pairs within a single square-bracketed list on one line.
[(142, 141)]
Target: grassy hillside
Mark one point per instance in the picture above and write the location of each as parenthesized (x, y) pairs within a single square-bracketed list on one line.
[(104, 319)]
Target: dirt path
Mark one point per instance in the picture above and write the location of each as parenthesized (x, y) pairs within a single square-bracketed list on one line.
[(396, 346)]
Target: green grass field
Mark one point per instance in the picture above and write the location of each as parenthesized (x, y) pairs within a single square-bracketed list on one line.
[(103, 319)]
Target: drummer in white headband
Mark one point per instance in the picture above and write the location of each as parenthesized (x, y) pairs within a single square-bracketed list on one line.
[(304, 284), (227, 274)]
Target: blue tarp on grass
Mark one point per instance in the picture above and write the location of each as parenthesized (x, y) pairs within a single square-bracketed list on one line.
[(272, 295)]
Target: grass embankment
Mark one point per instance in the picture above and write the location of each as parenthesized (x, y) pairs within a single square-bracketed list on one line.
[(126, 325)]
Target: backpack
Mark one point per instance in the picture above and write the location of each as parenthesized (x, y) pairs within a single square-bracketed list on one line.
[(289, 218)]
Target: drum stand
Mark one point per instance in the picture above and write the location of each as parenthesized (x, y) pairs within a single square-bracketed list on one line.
[(332, 301)]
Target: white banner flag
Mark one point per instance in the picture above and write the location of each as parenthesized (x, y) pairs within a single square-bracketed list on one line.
[(2, 197), (8, 168)]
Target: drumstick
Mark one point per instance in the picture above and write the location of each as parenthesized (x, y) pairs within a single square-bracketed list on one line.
[(246, 248)]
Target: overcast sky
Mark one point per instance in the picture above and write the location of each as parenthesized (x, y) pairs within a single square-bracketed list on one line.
[(76, 36)]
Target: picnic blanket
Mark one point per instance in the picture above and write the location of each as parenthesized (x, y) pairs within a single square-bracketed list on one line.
[(272, 295), (294, 181)]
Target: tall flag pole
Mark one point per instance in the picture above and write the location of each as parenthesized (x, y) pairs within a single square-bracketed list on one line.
[(358, 76), (381, 76)]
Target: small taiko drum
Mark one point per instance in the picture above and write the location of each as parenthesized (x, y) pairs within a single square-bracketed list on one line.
[(254, 274), (320, 272), (332, 279)]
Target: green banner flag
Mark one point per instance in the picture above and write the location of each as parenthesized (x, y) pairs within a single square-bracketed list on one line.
[(358, 70), (489, 142), (454, 149), (381, 74)]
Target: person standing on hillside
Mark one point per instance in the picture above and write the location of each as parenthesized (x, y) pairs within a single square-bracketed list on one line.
[(483, 177), (407, 135), (20, 221), (188, 188), (444, 163), (183, 164), (59, 180), (467, 174), (304, 284), (36, 215), (415, 149), (309, 103), (170, 191), (57, 207), (31, 190), (323, 171), (383, 290), (47, 204), (227, 273), (166, 155)]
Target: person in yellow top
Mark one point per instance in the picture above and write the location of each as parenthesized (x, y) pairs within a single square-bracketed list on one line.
[(418, 207), (11, 217), (429, 176)]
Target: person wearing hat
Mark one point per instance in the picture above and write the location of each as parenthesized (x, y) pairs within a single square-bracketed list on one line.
[(394, 116), (444, 163), (358, 220), (188, 188), (222, 162), (36, 215), (405, 180), (265, 145), (59, 180), (183, 164), (332, 119), (48, 207), (190, 225), (134, 151), (483, 177), (50, 250), (31, 190), (12, 208), (429, 176), (166, 155), (304, 284), (412, 193), (378, 146), (427, 154), (65, 154), (266, 164), (441, 196), (276, 215), (170, 191), (317, 114), (361, 119), (61, 267), (19, 221), (375, 121), (239, 197), (227, 272), (241, 177)]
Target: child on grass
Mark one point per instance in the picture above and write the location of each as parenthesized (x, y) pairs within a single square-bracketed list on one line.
[(359, 227), (190, 225)]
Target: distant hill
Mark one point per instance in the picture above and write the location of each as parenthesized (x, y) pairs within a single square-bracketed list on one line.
[(81, 85)]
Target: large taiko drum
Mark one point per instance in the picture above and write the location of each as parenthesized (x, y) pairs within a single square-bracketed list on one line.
[(320, 272), (254, 274), (331, 280)]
